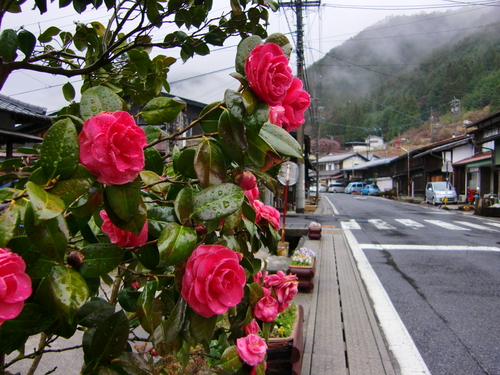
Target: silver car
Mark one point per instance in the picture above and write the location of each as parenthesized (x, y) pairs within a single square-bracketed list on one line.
[(440, 191)]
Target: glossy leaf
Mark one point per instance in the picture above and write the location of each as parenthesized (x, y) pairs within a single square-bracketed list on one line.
[(128, 299), (185, 163), (68, 91), (146, 307), (45, 206), (209, 164), (282, 41), (152, 133), (230, 360), (100, 259), (158, 218), (50, 237), (183, 204), (8, 45), (176, 243), (32, 320), (202, 329), (161, 110), (244, 48), (210, 122), (173, 325), (149, 256), (125, 207), (232, 221), (256, 293), (69, 291), (47, 35), (75, 186), (233, 137), (259, 149), (109, 338), (98, 99), (60, 149), (9, 221), (89, 202), (11, 163), (281, 140), (153, 160), (94, 312), (157, 183), (217, 201)]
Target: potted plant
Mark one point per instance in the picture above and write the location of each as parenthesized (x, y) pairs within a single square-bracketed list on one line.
[(314, 230), (286, 346), (303, 265)]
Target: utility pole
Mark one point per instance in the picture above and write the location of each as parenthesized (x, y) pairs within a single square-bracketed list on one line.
[(297, 6)]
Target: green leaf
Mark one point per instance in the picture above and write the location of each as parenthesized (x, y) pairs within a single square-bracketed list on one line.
[(282, 41), (146, 309), (149, 256), (94, 312), (8, 45), (183, 204), (210, 122), (27, 150), (50, 237), (47, 35), (32, 320), (173, 325), (11, 163), (244, 48), (128, 299), (185, 163), (209, 164), (158, 218), (217, 201), (45, 206), (233, 137), (256, 293), (60, 149), (125, 207), (152, 133), (230, 360), (75, 186), (27, 42), (68, 91), (69, 291), (202, 329), (89, 202), (109, 339), (257, 149), (100, 259), (153, 160), (161, 110), (98, 99), (176, 243), (9, 221), (9, 177), (150, 178), (281, 141)]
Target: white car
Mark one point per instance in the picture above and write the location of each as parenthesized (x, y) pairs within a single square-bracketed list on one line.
[(322, 188), (436, 192)]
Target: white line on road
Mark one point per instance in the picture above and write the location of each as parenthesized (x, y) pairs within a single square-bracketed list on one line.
[(351, 224), (379, 224), (444, 224), (369, 246), (333, 207), (492, 223), (410, 223), (476, 226), (400, 342)]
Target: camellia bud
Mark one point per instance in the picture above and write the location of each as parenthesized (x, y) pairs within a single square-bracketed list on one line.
[(201, 230), (75, 259)]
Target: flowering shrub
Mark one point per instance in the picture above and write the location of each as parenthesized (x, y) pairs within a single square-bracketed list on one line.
[(302, 257), (172, 237)]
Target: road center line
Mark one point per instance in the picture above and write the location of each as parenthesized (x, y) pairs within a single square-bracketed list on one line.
[(369, 246), (398, 338)]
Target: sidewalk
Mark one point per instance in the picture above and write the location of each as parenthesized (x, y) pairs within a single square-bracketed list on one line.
[(341, 333)]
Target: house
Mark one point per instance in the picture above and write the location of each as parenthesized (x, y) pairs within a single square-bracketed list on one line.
[(334, 167), (374, 171), (371, 143)]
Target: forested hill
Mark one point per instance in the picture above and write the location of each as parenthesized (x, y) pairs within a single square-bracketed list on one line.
[(405, 69)]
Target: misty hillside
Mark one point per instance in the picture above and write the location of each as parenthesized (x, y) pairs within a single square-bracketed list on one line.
[(405, 70)]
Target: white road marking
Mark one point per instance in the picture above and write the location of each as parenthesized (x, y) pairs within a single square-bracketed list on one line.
[(369, 246), (400, 342), (381, 224), (335, 211), (495, 224), (350, 225), (446, 225), (410, 223), (476, 226)]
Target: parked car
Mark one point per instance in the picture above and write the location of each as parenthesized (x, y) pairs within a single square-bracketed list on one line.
[(436, 192), (322, 188), (371, 189), (336, 187), (354, 187)]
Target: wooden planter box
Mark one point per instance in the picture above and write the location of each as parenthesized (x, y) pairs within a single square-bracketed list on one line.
[(305, 275), (284, 355), (314, 233)]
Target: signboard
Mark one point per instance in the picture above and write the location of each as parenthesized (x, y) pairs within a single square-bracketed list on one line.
[(289, 172)]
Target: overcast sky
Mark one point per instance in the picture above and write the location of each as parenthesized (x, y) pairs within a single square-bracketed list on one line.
[(325, 27)]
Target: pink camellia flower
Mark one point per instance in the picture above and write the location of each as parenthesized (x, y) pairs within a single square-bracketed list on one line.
[(276, 115), (266, 214), (285, 287), (246, 180), (15, 285), (214, 280), (295, 104), (111, 147), (253, 327), (267, 307), (251, 349), (268, 73), (123, 237), (252, 194)]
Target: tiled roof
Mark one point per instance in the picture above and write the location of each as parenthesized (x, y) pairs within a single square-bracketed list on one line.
[(23, 111), (474, 158)]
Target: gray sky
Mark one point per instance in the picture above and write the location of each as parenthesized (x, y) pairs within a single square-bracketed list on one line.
[(325, 27)]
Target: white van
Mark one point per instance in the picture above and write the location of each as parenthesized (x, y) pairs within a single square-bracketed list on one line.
[(354, 187)]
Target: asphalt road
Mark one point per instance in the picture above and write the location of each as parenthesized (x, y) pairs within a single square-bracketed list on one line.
[(441, 270)]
